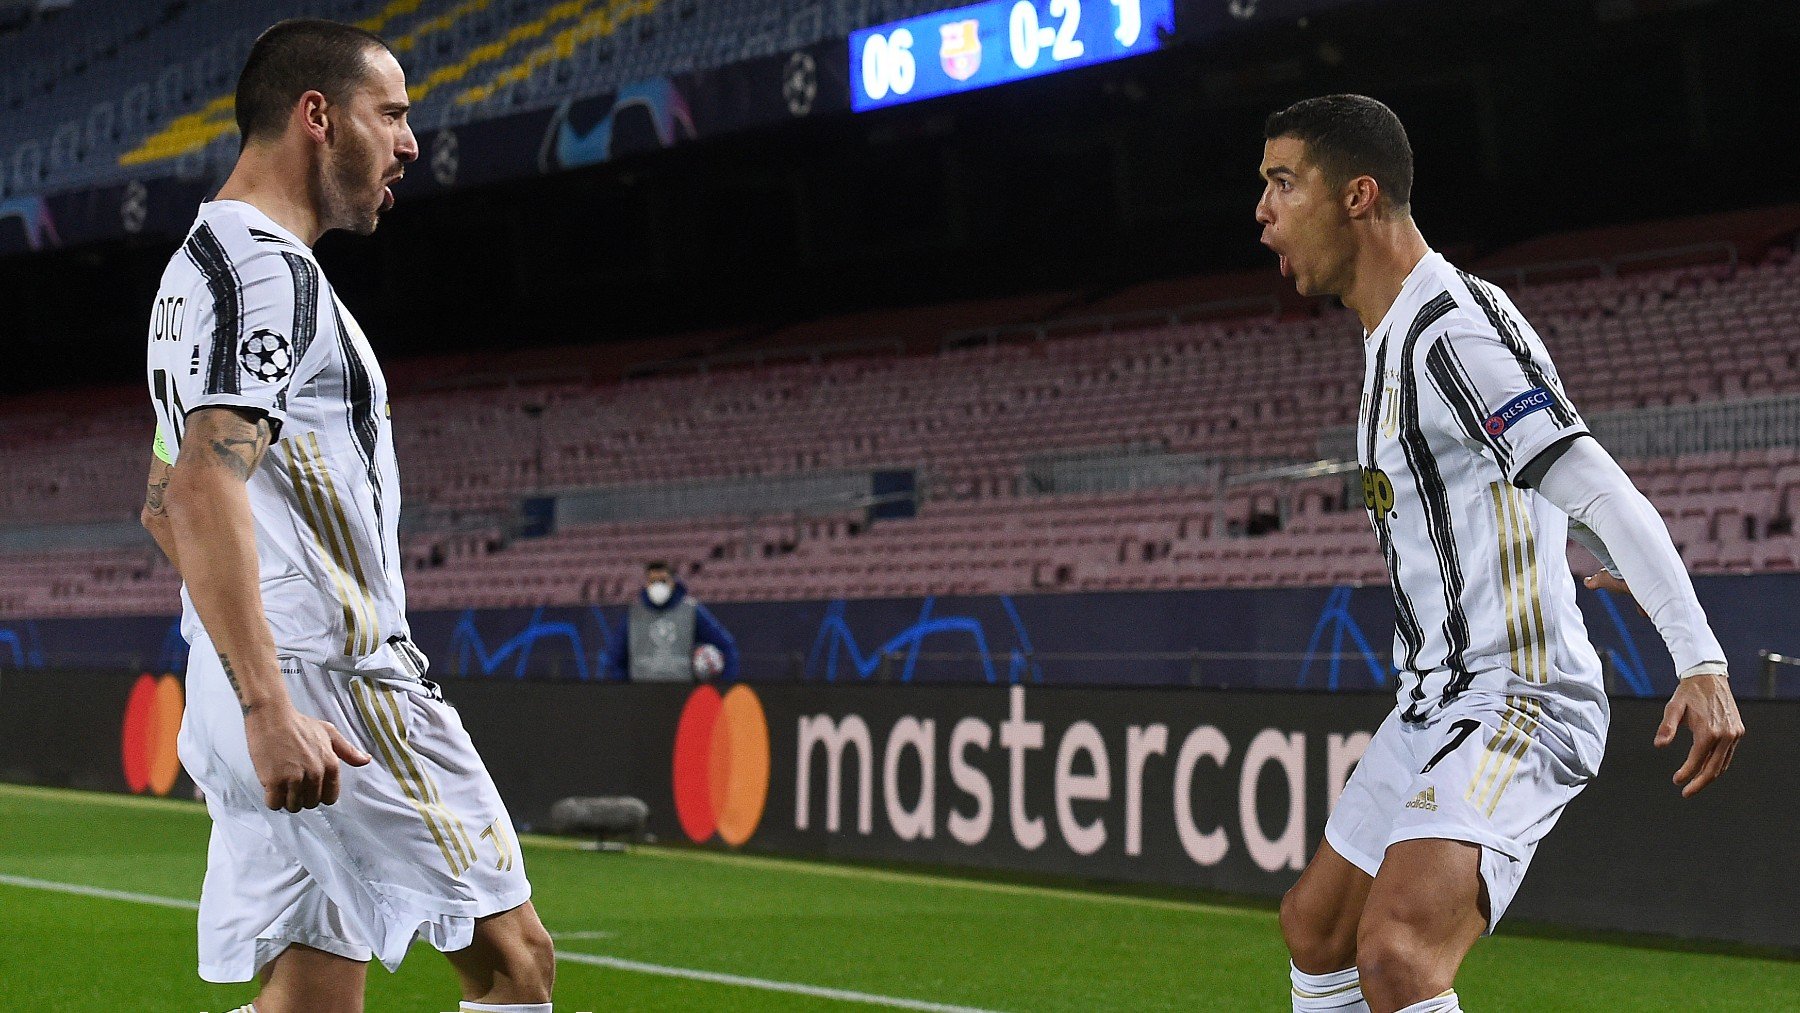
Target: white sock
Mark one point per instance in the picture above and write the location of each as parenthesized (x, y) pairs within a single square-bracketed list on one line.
[(529, 1007), (1443, 1003), (1339, 991)]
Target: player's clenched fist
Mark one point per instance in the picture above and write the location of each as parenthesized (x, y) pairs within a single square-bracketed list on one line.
[(296, 757)]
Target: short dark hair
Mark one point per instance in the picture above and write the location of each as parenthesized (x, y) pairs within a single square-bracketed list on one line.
[(1350, 136), (657, 564), (292, 58)]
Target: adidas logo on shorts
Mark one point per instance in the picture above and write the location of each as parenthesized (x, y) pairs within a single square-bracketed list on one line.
[(1426, 799)]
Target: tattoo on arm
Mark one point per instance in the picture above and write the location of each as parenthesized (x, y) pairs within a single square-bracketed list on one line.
[(231, 677), (158, 488), (236, 440), (243, 453)]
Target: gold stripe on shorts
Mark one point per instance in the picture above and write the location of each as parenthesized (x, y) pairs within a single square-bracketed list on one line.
[(498, 837), (434, 797), (431, 796), (1527, 732), (1494, 748), (1500, 760), (396, 757)]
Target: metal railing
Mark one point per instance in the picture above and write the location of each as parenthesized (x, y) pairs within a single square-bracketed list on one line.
[(1131, 469), (1119, 469), (1663, 431), (748, 496), (81, 535), (1773, 666), (1721, 427), (434, 520)]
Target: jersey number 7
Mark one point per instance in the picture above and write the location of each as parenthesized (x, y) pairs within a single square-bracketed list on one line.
[(1463, 729)]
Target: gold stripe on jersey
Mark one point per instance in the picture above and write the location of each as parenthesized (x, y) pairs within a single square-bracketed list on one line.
[(1535, 582), (305, 488), (434, 798), (324, 516), (1520, 590), (1508, 590), (366, 599), (395, 756)]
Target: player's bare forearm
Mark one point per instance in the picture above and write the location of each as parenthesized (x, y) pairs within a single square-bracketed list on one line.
[(214, 539), (155, 514)]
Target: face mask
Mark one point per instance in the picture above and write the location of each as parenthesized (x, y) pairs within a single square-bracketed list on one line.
[(659, 593)]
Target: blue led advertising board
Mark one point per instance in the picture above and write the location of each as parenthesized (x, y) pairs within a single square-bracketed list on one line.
[(995, 42)]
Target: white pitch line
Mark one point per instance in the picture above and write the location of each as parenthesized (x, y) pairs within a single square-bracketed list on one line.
[(799, 865), (593, 959), (95, 891), (792, 988)]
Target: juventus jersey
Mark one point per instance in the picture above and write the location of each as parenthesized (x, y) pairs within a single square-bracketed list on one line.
[(245, 318), (1459, 396)]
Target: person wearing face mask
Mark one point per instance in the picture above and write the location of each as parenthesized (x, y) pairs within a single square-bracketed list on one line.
[(664, 626)]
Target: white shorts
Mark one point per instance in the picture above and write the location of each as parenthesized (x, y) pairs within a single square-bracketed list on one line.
[(418, 844), (1488, 769)]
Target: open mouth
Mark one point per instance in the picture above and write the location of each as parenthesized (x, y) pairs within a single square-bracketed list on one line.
[(387, 191), (1287, 269)]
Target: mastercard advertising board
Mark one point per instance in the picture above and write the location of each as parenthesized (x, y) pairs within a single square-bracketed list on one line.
[(1210, 789)]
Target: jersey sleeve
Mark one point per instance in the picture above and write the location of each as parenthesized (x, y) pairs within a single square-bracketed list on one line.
[(1504, 397), (258, 328)]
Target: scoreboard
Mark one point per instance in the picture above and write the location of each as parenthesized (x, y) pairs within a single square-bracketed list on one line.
[(995, 42)]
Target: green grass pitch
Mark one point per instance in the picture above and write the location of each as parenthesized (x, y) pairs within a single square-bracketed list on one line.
[(677, 929)]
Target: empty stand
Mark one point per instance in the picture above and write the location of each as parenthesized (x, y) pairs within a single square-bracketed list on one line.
[(970, 419), (107, 92)]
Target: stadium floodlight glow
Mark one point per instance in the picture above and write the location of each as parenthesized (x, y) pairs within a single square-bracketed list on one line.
[(996, 42)]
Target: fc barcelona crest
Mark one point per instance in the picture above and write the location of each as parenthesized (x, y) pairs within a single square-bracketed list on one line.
[(961, 51)]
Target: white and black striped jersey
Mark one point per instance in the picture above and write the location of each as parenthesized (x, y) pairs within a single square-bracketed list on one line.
[(1459, 396), (244, 317)]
